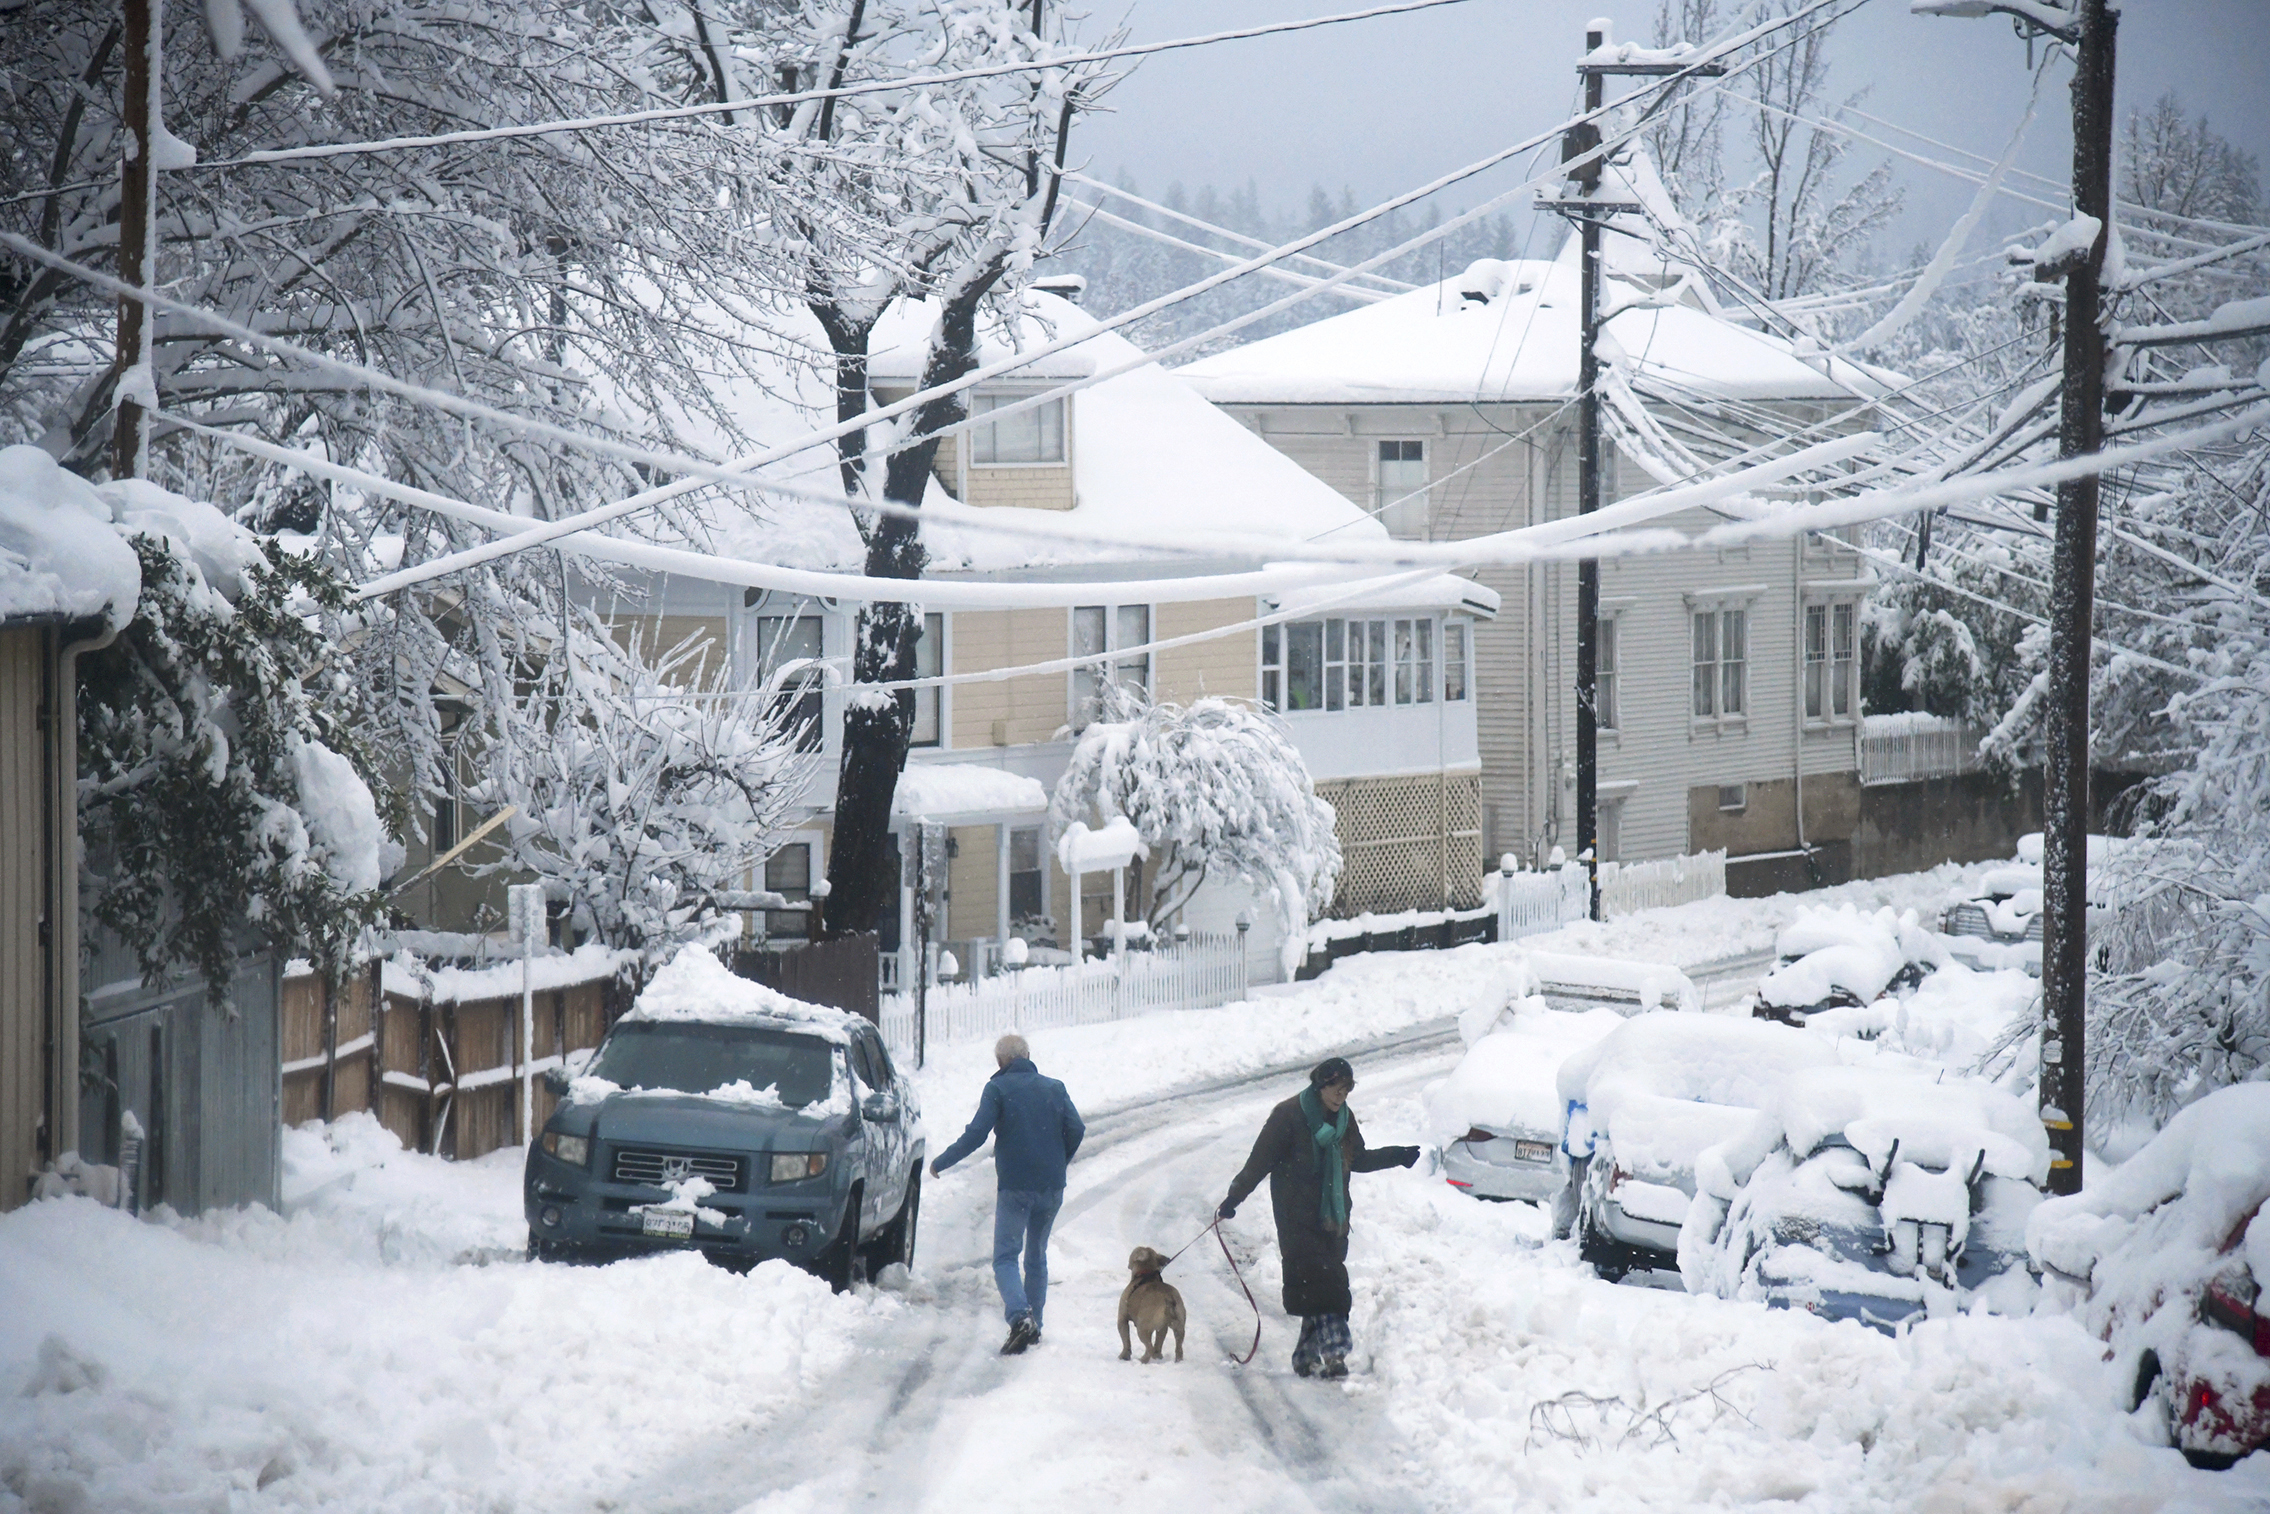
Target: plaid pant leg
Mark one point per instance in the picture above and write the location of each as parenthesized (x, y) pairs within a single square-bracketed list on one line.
[(1322, 1336)]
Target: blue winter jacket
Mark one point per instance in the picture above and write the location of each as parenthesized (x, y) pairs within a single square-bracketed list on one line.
[(1034, 1127)]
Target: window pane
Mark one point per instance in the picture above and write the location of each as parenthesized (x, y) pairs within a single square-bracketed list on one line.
[(1271, 693), (1335, 686), (1841, 671), (1706, 637), (1733, 643), (1423, 674), (929, 656), (1088, 631), (1733, 636), (1133, 626), (1454, 661), (1335, 640), (1604, 676), (1269, 645), (788, 872), (1816, 649), (1030, 436), (781, 641), (1375, 676), (1304, 665)]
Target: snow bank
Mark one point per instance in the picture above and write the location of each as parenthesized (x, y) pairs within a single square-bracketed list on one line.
[(59, 554), (380, 1346), (693, 985)]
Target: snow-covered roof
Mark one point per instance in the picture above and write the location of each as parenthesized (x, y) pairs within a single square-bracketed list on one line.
[(1508, 331), (60, 555), (1151, 458), (964, 793), (1442, 591)]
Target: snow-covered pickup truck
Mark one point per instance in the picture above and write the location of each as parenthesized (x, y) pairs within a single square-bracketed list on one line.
[(1641, 1104), (2169, 1257), (723, 1116), (1870, 1193)]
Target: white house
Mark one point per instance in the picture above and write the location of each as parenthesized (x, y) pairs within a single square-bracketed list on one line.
[(1729, 688)]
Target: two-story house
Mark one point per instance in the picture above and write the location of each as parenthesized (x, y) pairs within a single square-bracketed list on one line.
[(1728, 680), (1375, 685)]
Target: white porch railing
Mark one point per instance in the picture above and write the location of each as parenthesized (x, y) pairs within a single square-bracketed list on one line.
[(1195, 973), (1629, 886), (1909, 748)]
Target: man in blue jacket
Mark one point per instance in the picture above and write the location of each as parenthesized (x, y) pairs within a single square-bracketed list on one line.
[(1035, 1130)]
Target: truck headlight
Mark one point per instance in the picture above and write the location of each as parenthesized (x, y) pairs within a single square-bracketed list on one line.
[(795, 1166), (574, 1150)]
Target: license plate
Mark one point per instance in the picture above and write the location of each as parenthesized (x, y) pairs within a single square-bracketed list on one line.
[(1533, 1151), (674, 1224)]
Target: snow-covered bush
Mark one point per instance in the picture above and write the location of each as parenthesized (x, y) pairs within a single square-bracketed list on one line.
[(642, 789), (224, 777), (1216, 790)]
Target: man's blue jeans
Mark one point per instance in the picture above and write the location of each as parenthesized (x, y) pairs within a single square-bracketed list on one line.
[(1022, 1218)]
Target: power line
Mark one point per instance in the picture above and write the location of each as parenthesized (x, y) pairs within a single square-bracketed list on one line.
[(1074, 176), (798, 97)]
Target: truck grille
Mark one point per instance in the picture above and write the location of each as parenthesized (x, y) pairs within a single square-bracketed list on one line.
[(655, 1168)]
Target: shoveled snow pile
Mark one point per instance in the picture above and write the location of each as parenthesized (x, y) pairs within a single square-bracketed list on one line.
[(59, 553), (1830, 951)]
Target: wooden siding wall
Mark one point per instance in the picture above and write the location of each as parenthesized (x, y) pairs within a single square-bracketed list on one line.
[(1525, 660), (1030, 487), (1033, 709), (23, 873)]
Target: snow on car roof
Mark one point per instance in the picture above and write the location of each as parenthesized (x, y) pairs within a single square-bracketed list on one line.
[(1506, 1080), (694, 986), (2211, 1164), (1712, 1058), (1938, 1122)]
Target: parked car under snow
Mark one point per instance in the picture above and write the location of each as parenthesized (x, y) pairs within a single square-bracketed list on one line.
[(1831, 958), (1872, 1193), (1497, 1117), (722, 1116), (2000, 924), (1640, 1105), (2170, 1258)]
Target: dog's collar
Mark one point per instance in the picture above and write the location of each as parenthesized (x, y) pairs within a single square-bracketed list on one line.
[(1149, 1277)]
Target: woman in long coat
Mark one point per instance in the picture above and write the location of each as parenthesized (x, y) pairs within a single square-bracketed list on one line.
[(1307, 1148)]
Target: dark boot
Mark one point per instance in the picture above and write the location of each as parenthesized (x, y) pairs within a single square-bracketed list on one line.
[(1334, 1368), (1022, 1334)]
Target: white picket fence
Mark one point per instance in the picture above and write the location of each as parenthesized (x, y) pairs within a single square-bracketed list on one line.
[(1909, 748), (1629, 886), (1530, 904), (1197, 972)]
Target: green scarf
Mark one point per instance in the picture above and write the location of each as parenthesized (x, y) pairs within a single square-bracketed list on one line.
[(1331, 1159)]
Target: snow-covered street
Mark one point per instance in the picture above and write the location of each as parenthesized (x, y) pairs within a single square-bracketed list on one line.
[(386, 1346)]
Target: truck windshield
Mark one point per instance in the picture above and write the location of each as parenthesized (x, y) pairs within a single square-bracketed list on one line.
[(695, 1058)]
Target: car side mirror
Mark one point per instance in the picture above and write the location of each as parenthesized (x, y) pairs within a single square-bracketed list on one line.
[(882, 1108), (556, 1082)]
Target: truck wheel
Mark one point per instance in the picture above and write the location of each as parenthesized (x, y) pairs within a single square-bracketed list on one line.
[(837, 1265), (2147, 1375), (1605, 1256), (897, 1242)]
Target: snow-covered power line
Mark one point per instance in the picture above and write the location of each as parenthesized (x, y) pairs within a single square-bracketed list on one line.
[(798, 97), (1074, 176)]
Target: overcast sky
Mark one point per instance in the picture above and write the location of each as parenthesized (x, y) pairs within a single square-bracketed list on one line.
[(1379, 106)]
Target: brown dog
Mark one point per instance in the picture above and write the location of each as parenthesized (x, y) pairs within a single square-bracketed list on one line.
[(1152, 1305)]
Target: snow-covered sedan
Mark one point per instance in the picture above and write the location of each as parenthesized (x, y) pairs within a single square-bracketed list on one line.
[(2170, 1257), (1872, 1193), (1999, 924), (1835, 958), (1497, 1117), (722, 1116), (1640, 1105)]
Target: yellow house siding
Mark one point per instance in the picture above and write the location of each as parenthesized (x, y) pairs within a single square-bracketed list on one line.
[(1019, 710), (1031, 488), (1224, 665)]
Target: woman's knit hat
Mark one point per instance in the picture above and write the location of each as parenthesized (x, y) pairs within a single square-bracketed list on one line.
[(1330, 1071)]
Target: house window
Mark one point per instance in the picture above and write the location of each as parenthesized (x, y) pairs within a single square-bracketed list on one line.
[(1028, 879), (1331, 664), (1454, 660), (1721, 667), (1604, 675), (788, 873), (1830, 665), (1414, 662), (929, 662), (1029, 436), (1609, 817), (1733, 798), (1100, 629), (1402, 503), (788, 650)]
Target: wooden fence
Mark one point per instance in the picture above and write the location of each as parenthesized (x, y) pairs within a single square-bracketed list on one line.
[(436, 1054)]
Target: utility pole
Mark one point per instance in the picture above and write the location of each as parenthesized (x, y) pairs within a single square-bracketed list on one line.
[(1580, 147), (2072, 606), (2073, 572), (137, 210)]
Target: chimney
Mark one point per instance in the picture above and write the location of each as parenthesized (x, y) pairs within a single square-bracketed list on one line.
[(1065, 286)]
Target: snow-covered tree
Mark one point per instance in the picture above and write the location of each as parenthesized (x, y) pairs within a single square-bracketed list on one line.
[(1216, 790), (643, 787), (225, 779)]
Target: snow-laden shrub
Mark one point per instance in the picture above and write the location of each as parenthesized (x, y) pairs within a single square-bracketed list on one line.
[(643, 789), (224, 782), (1215, 789)]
